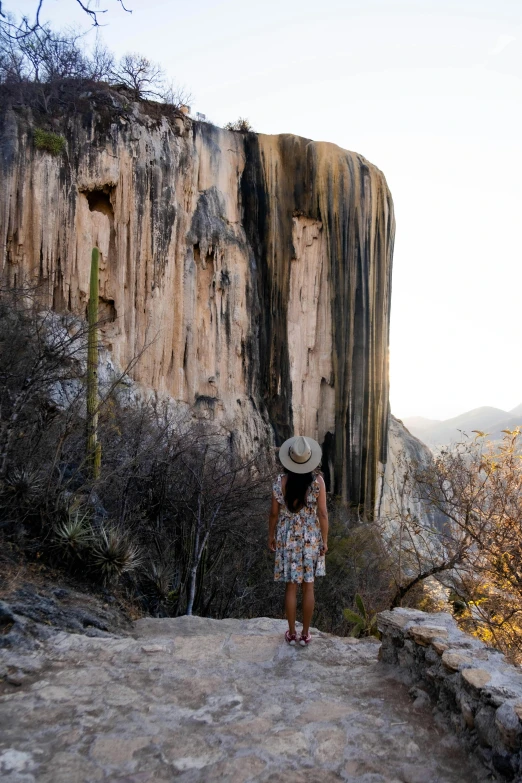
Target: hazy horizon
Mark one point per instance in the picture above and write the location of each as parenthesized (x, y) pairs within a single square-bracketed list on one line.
[(470, 410), (429, 91)]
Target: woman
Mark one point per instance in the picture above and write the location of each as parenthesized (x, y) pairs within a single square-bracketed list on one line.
[(298, 528)]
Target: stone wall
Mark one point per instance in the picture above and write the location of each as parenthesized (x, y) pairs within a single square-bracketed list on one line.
[(469, 682)]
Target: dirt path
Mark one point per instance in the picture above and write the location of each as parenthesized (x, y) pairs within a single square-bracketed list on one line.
[(193, 699)]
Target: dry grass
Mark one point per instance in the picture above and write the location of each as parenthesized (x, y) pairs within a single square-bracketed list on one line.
[(15, 571)]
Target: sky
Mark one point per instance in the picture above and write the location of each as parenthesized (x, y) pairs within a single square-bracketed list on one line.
[(430, 91)]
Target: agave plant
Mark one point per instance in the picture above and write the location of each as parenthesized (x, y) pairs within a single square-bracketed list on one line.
[(364, 624), (73, 534), (113, 554), (23, 484), (157, 579)]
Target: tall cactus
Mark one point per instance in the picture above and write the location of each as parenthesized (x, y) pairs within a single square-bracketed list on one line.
[(93, 446)]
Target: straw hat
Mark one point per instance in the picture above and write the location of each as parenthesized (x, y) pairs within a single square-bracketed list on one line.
[(300, 454)]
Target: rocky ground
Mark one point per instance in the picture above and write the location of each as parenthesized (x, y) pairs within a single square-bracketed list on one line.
[(195, 699)]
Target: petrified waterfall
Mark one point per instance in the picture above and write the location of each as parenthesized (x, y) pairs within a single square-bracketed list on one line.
[(320, 220), (259, 268)]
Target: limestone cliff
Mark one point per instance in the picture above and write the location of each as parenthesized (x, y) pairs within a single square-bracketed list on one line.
[(396, 492), (258, 266)]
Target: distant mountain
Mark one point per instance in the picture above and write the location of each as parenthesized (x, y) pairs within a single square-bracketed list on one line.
[(508, 424), (419, 423), (485, 419)]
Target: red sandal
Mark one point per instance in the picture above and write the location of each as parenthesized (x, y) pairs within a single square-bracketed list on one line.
[(290, 637), (305, 639)]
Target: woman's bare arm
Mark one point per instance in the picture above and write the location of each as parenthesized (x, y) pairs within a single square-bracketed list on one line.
[(323, 514), (272, 522)]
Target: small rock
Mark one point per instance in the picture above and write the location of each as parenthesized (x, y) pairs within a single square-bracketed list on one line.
[(439, 646), (396, 618), (477, 678), (405, 658), (454, 660), (153, 648), (423, 634), (430, 656), (508, 724), (467, 712), (485, 726), (420, 698), (16, 678), (422, 703), (61, 593), (411, 749)]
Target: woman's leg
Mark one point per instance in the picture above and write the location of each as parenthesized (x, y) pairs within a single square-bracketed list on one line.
[(291, 605), (308, 605)]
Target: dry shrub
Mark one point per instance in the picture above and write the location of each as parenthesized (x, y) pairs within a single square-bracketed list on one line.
[(177, 519)]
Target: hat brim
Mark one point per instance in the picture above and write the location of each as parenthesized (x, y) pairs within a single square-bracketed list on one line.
[(300, 467)]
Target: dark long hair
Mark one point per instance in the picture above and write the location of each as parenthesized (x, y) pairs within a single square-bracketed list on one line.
[(296, 488)]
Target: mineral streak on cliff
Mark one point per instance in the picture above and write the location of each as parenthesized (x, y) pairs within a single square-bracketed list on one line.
[(322, 221), (259, 266)]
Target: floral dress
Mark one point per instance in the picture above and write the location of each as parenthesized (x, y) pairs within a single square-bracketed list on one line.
[(298, 538)]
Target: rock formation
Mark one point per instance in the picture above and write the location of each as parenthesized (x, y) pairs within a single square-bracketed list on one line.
[(258, 267), (393, 491)]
